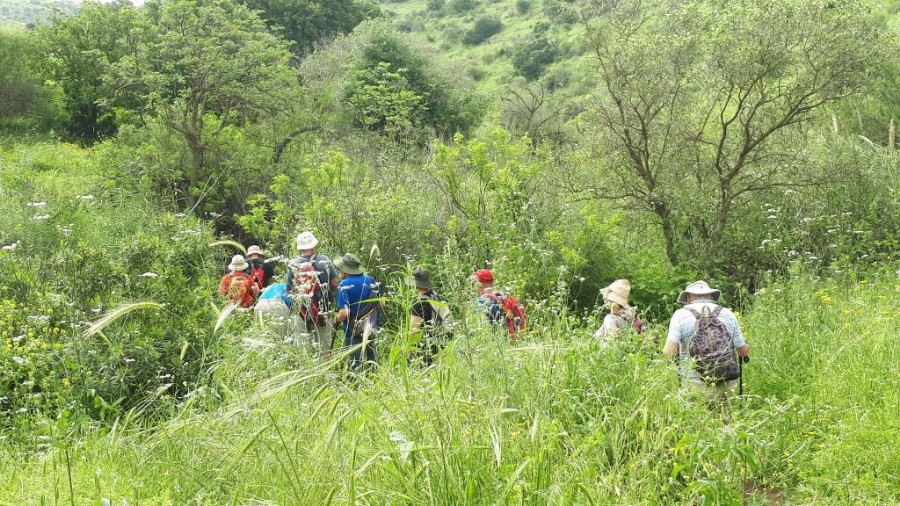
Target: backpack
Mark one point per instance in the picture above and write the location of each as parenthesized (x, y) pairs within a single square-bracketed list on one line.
[(257, 276), (637, 324), (307, 291), (443, 320), (711, 348), (240, 290), (514, 318)]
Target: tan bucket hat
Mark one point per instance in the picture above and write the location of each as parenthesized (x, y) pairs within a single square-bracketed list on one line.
[(254, 250), (238, 263), (699, 288), (618, 292)]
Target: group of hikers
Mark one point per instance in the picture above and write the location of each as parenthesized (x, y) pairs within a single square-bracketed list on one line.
[(319, 296)]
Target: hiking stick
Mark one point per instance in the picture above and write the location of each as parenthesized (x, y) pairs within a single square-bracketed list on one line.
[(741, 362)]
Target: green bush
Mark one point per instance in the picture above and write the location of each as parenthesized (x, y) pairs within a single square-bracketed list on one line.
[(484, 28)]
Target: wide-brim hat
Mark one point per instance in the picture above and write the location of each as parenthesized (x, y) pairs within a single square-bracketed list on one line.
[(618, 292), (700, 288), (238, 263), (306, 240), (349, 264), (254, 250), (421, 278)]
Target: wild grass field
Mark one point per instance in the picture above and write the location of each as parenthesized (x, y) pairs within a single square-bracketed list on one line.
[(551, 419), (562, 144)]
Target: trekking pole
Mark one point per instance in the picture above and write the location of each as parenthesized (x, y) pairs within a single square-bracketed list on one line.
[(741, 362)]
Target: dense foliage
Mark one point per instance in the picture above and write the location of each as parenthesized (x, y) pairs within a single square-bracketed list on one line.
[(563, 144)]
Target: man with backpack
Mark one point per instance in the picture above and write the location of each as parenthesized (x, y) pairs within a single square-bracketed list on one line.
[(705, 336), (359, 303), (430, 320), (499, 308), (236, 286), (315, 293)]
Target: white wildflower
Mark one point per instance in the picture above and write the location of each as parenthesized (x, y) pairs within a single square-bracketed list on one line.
[(41, 217), (36, 205), (86, 198), (149, 275), (19, 360), (10, 247)]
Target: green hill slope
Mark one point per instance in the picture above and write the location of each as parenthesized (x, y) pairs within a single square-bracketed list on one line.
[(31, 11)]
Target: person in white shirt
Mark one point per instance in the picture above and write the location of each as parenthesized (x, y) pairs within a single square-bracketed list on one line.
[(699, 297)]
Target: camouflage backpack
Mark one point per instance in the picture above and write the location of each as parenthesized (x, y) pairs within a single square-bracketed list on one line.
[(711, 347)]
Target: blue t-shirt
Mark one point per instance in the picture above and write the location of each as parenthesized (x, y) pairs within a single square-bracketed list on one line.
[(353, 292)]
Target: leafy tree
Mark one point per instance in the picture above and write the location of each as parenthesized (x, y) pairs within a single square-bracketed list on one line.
[(24, 102), (531, 58), (706, 106), (393, 85), (384, 102), (203, 67), (307, 22), (77, 52)]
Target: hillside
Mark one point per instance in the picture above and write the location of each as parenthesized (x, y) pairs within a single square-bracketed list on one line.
[(32, 11), (519, 199)]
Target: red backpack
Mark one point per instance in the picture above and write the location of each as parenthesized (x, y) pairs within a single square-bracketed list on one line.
[(307, 292), (240, 289), (514, 317), (257, 276)]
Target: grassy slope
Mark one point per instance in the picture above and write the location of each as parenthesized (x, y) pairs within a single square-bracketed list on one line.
[(552, 419), (30, 11), (490, 57)]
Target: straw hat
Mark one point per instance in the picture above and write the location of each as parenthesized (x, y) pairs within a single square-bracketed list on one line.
[(237, 263), (618, 292), (699, 288), (306, 240), (349, 264), (254, 250), (421, 278)]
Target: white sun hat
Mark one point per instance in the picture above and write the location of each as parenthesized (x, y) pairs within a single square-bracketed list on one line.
[(237, 263), (306, 240), (254, 250), (700, 288)]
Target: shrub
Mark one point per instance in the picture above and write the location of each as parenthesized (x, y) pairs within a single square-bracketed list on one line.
[(484, 28)]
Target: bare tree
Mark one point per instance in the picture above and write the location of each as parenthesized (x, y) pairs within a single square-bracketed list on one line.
[(701, 107)]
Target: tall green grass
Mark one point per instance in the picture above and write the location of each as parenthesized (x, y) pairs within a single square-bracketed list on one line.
[(549, 420)]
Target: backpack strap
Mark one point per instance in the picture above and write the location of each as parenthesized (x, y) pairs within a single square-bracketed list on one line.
[(697, 315)]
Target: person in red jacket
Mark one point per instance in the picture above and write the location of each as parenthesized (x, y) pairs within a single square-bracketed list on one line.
[(236, 286)]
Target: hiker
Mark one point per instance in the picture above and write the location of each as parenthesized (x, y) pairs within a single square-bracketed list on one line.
[(499, 308), (237, 286), (704, 336), (274, 304), (317, 300), (430, 318), (357, 309), (621, 315), (259, 271)]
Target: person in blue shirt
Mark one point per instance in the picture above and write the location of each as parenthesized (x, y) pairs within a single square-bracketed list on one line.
[(358, 302)]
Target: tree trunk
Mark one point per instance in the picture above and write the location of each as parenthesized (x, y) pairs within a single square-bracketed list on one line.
[(196, 168)]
